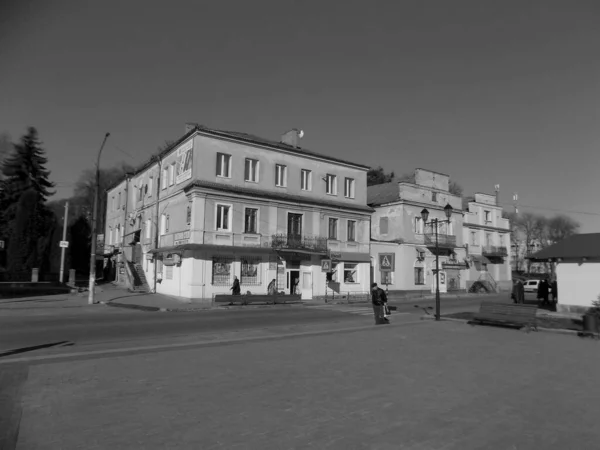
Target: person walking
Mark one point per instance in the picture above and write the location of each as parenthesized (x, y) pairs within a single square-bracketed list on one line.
[(554, 290), (543, 289), (379, 301), (518, 293), (236, 286)]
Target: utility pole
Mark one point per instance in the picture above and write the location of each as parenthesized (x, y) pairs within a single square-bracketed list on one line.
[(157, 226), (62, 250), (515, 200), (92, 286)]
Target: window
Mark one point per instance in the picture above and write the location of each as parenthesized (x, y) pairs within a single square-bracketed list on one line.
[(110, 235), (250, 275), (331, 184), (188, 215), (419, 275), (333, 225), (223, 165), (119, 202), (164, 224), (251, 172), (350, 272), (221, 271), (148, 228), (349, 188), (280, 175), (383, 225), (250, 220), (294, 226), (172, 174), (488, 239), (150, 185), (418, 225), (473, 238), (165, 179), (223, 218), (351, 230), (386, 277), (117, 233), (169, 272), (434, 196), (487, 216), (306, 180), (140, 194), (114, 203)]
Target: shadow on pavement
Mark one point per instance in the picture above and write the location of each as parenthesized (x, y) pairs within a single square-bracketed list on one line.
[(35, 347)]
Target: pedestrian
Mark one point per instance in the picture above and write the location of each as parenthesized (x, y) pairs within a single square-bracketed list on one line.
[(379, 301), (518, 292), (542, 294), (236, 286), (554, 289), (271, 288)]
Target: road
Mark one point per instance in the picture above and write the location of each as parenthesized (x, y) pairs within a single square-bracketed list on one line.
[(109, 325)]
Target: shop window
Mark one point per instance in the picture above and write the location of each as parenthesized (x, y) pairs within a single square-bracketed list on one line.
[(221, 271), (169, 272), (386, 277), (250, 275), (350, 272), (419, 276)]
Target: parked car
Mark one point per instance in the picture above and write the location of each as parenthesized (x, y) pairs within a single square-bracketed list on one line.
[(532, 286)]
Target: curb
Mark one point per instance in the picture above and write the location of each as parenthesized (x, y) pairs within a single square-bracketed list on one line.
[(210, 308), (542, 329)]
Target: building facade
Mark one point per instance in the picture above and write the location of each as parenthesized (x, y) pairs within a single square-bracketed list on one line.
[(400, 237), (217, 205), (487, 237)]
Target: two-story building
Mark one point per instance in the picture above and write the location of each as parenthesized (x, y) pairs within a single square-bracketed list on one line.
[(400, 238), (487, 238), (217, 205)]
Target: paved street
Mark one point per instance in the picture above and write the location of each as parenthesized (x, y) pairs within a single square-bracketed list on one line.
[(102, 324), (427, 386)]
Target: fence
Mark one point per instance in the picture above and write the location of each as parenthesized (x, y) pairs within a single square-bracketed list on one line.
[(25, 277)]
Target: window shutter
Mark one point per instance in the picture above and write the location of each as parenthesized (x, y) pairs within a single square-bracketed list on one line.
[(247, 171), (219, 164)]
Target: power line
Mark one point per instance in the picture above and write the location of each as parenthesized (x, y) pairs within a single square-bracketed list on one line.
[(567, 211)]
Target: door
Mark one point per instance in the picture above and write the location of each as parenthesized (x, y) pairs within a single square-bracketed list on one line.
[(294, 233), (294, 287), (306, 291)]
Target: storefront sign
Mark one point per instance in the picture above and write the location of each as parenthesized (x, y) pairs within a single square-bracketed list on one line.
[(185, 155), (456, 266), (335, 256), (386, 262), (180, 242)]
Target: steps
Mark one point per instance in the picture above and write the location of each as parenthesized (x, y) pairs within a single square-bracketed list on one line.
[(139, 282)]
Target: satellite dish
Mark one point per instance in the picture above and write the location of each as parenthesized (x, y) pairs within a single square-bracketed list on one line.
[(301, 134)]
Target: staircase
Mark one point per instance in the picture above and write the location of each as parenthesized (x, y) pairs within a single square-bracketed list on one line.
[(139, 282), (488, 281)]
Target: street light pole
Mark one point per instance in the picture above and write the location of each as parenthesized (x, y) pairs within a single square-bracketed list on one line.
[(92, 285), (435, 222)]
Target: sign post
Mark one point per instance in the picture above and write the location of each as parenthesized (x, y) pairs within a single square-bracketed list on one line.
[(325, 268), (64, 239)]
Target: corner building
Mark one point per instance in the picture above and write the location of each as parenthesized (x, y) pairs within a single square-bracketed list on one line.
[(232, 204)]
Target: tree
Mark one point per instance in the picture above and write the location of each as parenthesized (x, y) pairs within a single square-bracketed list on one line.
[(6, 148), (80, 244), (378, 176), (515, 241), (561, 227)]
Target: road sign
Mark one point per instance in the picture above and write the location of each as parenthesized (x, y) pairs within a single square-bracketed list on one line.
[(64, 244), (325, 265), (386, 262)]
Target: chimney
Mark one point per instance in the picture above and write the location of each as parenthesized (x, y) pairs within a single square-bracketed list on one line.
[(291, 137), (189, 126), (497, 188)]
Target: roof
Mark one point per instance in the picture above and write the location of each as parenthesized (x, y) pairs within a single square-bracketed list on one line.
[(276, 195), (380, 194), (576, 246)]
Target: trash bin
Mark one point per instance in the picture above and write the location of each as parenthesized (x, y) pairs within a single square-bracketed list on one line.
[(590, 324)]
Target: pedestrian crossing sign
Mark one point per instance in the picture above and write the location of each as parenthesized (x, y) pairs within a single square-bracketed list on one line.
[(325, 265), (386, 262)]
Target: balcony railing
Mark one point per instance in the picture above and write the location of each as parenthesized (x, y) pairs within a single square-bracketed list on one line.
[(292, 242), (444, 240), (492, 250)]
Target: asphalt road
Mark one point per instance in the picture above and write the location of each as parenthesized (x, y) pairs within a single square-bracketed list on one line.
[(121, 325)]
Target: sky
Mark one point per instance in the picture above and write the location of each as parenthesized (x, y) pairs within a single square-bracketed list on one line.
[(489, 92)]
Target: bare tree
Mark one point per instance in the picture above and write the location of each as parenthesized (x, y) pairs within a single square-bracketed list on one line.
[(515, 239), (561, 227)]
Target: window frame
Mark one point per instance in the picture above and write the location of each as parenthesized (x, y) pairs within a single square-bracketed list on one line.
[(353, 237), (254, 164), (337, 225), (150, 186), (221, 156), (305, 180), (421, 270), (256, 219), (164, 182), (229, 216), (148, 230), (330, 184), (349, 190), (283, 182), (356, 272), (171, 174)]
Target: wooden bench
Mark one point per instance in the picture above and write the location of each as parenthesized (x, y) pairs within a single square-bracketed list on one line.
[(507, 314), (245, 299)]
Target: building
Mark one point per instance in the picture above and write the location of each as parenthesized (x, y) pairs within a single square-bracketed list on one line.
[(577, 260), (400, 238), (218, 204), (520, 254), (486, 235)]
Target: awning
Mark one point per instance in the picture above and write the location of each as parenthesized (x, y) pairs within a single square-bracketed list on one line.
[(481, 259), (182, 247), (298, 250), (350, 256)]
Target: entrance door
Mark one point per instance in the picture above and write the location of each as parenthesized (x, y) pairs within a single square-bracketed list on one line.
[(306, 286), (294, 287)]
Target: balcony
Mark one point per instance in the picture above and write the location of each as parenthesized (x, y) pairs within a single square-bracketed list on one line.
[(492, 250), (303, 243), (444, 240)]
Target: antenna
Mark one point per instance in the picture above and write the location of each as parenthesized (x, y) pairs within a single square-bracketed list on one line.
[(515, 200)]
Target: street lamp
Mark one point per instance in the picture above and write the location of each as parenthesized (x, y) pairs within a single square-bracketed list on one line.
[(435, 223)]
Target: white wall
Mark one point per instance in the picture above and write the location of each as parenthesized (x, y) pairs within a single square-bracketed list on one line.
[(578, 285)]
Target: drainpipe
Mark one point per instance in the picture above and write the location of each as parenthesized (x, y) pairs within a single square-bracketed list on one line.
[(127, 181), (158, 181)]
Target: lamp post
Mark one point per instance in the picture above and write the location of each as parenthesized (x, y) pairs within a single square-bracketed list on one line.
[(435, 223)]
